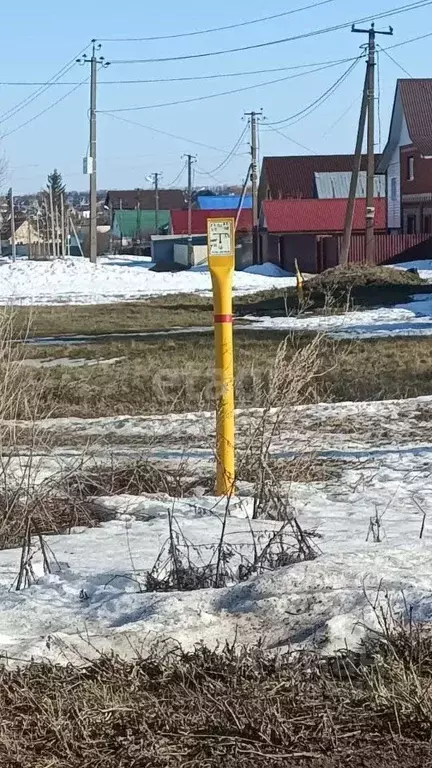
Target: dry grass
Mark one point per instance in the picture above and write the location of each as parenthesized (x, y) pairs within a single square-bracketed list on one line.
[(44, 516), (299, 469), (176, 375), (135, 478), (361, 276), (151, 314), (231, 708)]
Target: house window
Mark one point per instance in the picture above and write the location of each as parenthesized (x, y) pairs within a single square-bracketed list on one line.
[(411, 224), (393, 188), (410, 168), (427, 224)]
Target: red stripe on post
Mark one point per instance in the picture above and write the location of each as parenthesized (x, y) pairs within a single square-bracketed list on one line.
[(223, 318)]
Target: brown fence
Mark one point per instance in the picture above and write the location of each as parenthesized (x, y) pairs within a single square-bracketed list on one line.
[(390, 248)]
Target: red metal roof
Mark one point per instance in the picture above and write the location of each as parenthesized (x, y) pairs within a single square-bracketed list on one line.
[(318, 216), (417, 105), (293, 177), (179, 220)]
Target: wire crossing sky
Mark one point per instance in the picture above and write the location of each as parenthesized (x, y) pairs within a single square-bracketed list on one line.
[(165, 103)]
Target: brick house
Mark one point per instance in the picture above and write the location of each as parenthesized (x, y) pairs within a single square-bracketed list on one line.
[(407, 159)]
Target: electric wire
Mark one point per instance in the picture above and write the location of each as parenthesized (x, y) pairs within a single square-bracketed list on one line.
[(178, 177), (297, 116), (216, 76), (43, 111), (202, 172), (216, 29), (266, 44), (242, 89), (165, 133), (389, 56), (289, 138), (182, 138), (230, 154), (341, 117), (41, 90)]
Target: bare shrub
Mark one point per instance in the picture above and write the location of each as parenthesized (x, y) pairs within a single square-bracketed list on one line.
[(183, 566), (291, 382), (138, 477), (31, 504)]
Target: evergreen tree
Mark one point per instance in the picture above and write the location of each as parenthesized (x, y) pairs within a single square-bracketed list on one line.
[(52, 221), (55, 183)]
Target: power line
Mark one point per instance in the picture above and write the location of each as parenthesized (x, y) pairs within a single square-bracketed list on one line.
[(320, 100), (406, 42), (314, 33), (165, 133), (222, 93), (192, 141), (389, 56), (289, 138), (191, 78), (341, 117), (201, 172), (215, 76), (230, 154), (47, 109), (46, 86), (216, 29), (178, 177)]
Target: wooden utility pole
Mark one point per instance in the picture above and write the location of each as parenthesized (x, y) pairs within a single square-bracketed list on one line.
[(370, 196), (155, 178), (254, 118), (191, 159), (349, 217), (95, 62)]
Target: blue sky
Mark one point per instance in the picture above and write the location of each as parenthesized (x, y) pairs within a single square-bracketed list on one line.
[(42, 37)]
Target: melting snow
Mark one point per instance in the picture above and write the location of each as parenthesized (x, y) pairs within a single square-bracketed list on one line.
[(77, 281), (93, 601)]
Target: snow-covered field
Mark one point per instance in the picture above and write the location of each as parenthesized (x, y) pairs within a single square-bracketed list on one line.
[(113, 279), (411, 319), (93, 601)]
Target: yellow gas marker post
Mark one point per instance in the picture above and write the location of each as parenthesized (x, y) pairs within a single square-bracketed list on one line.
[(221, 259)]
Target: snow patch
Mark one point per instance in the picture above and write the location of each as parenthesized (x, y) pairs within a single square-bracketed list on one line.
[(267, 270), (77, 281), (411, 319)]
